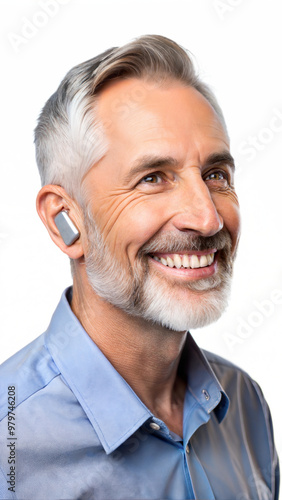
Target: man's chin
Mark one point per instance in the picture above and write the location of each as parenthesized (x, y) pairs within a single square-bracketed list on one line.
[(183, 308)]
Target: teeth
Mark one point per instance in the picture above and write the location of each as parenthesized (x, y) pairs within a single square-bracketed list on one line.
[(203, 261), (186, 261), (170, 262), (210, 258), (177, 261), (194, 262)]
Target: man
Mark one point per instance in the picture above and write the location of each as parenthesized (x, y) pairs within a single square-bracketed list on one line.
[(115, 400)]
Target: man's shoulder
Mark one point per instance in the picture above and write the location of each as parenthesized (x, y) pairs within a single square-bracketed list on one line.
[(219, 363), (225, 369), (29, 370)]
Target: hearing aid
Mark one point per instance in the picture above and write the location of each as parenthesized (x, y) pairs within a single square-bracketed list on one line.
[(66, 228)]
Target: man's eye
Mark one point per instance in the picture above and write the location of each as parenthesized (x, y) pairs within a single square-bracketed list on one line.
[(151, 179), (217, 176)]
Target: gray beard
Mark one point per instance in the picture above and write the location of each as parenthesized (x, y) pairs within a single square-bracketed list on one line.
[(143, 292)]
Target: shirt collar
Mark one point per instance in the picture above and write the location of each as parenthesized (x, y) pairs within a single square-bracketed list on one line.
[(113, 408), (202, 381)]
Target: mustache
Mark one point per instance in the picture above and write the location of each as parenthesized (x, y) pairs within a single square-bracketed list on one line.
[(186, 241)]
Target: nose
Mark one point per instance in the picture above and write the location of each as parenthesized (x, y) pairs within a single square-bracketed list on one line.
[(196, 210)]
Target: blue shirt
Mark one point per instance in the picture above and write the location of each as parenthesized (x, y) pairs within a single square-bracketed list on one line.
[(78, 430)]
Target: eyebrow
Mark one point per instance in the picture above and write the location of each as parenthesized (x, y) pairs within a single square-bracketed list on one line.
[(220, 158), (149, 162), (152, 162)]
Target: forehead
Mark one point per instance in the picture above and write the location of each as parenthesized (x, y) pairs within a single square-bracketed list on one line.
[(174, 120)]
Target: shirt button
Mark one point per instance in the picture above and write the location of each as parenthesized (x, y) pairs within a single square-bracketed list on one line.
[(187, 448), (154, 426), (206, 394)]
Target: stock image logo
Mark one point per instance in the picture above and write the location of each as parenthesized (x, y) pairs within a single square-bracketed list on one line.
[(30, 26)]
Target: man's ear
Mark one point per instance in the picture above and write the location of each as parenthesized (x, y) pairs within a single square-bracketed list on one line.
[(51, 200)]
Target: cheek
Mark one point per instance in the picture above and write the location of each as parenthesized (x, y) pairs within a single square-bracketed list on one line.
[(233, 225), (229, 210), (128, 225), (140, 224)]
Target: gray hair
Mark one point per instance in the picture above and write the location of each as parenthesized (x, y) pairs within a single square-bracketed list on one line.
[(69, 140)]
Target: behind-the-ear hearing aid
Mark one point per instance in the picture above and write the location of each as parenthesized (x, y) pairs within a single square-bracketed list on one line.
[(66, 227)]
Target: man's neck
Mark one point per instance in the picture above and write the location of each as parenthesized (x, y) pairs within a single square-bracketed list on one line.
[(146, 355)]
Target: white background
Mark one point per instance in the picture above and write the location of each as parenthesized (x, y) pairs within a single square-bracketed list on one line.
[(237, 45)]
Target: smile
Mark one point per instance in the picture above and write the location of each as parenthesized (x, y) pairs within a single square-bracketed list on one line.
[(186, 261)]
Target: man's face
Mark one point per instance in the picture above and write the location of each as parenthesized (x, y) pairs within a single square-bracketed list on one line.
[(165, 210)]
